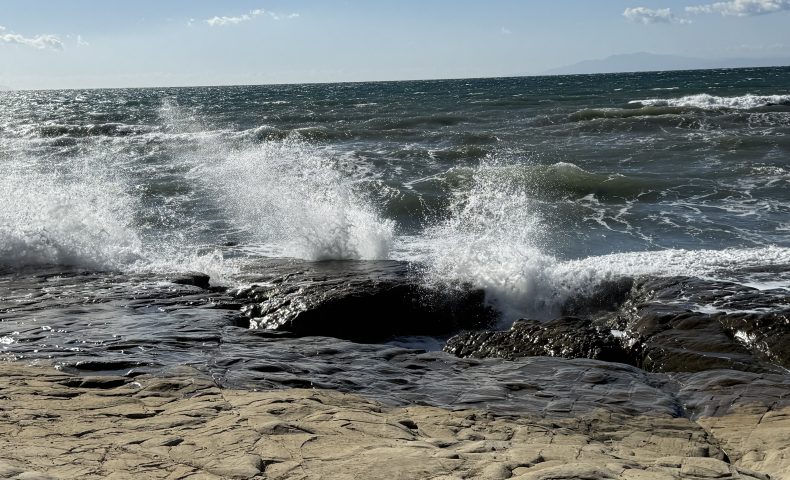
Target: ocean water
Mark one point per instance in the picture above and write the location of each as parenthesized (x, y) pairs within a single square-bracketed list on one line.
[(532, 188)]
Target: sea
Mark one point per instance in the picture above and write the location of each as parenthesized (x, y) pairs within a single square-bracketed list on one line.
[(531, 188)]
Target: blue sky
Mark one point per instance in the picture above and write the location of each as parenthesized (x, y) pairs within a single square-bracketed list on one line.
[(103, 43)]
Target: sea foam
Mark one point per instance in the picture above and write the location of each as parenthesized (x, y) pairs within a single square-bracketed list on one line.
[(49, 219), (295, 199), (705, 101), (494, 239)]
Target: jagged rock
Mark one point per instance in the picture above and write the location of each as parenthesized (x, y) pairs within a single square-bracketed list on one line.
[(660, 328), (668, 333), (609, 295), (567, 337), (767, 333)]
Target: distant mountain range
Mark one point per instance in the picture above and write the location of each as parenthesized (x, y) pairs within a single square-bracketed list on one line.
[(645, 62)]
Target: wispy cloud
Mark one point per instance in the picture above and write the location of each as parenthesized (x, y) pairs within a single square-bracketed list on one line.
[(277, 16), (505, 31), (742, 8), (41, 42), (81, 42), (649, 15), (225, 21)]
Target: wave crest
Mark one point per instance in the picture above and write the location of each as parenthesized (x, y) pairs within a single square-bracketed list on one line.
[(712, 102)]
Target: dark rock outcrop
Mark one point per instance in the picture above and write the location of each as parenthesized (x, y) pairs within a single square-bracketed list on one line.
[(566, 337), (675, 324), (196, 279), (662, 319), (360, 301)]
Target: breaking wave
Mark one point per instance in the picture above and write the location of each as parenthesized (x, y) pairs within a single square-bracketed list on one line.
[(705, 101), (51, 220), (295, 199), (495, 238)]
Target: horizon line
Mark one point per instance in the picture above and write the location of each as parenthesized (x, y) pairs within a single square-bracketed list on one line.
[(8, 89)]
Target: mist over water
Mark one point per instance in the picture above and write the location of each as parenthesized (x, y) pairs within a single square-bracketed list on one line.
[(535, 189)]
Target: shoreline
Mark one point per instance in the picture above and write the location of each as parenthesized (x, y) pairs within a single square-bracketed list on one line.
[(181, 425)]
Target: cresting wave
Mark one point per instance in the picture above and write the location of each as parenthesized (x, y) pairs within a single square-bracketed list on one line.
[(712, 102), (546, 182)]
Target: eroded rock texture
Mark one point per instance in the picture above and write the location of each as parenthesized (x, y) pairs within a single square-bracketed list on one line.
[(180, 426), (567, 337)]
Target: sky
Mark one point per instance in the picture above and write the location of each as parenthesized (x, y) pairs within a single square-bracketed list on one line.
[(104, 43)]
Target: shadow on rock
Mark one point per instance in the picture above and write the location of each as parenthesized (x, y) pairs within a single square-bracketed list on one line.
[(359, 301)]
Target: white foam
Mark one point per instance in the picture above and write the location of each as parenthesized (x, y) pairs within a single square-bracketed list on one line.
[(294, 199), (52, 219), (493, 240), (706, 101)]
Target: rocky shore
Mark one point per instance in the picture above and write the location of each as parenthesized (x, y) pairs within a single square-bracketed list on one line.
[(180, 425), (336, 370)]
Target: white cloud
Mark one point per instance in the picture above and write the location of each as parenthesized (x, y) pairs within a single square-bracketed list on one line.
[(81, 42), (742, 8), (649, 15), (276, 16), (505, 31), (40, 42), (227, 21)]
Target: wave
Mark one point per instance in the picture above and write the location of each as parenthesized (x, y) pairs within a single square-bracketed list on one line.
[(495, 238), (295, 198), (492, 239), (47, 219), (711, 102), (92, 130), (616, 113), (546, 182)]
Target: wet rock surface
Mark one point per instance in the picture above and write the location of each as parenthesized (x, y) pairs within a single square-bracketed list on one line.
[(100, 323), (362, 301), (181, 425), (676, 324), (566, 337), (663, 315)]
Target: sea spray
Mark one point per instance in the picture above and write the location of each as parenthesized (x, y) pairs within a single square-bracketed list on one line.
[(49, 219), (293, 197), (492, 239), (495, 237)]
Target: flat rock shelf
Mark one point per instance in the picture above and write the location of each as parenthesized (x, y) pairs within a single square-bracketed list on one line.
[(181, 425)]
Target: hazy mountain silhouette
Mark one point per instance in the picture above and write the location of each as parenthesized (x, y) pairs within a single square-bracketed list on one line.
[(645, 62)]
